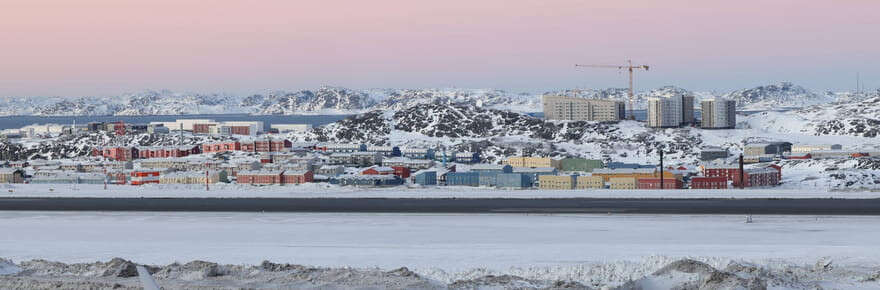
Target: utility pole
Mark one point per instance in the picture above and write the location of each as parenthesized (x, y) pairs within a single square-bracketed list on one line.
[(630, 68), (661, 169), (742, 173)]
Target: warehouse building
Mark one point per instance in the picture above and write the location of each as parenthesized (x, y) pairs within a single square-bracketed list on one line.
[(513, 180), (425, 177)]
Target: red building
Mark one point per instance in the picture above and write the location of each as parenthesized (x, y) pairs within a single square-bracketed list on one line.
[(376, 170), (240, 130), (203, 128), (765, 176), (162, 152), (699, 182), (117, 177), (265, 145), (142, 177), (297, 177), (654, 183), (258, 177), (401, 171), (116, 153), (221, 146), (728, 172), (798, 156)]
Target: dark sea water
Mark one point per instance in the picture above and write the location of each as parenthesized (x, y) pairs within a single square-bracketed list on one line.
[(14, 122)]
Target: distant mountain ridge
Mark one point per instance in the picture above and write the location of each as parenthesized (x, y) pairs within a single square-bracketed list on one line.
[(338, 100)]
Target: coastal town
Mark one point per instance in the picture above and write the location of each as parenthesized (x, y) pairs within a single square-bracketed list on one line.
[(249, 153)]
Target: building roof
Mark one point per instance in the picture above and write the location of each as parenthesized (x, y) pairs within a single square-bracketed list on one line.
[(260, 172), (369, 177), (532, 170), (485, 166)]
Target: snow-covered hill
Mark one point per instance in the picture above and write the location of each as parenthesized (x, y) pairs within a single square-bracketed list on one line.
[(337, 100), (860, 118), (777, 96)]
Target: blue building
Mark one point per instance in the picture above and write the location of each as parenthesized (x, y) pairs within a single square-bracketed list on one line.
[(533, 173), (426, 177), (513, 180), (463, 178), (488, 173)]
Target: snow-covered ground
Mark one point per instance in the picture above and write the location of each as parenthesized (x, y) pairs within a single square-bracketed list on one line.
[(324, 190), (610, 249)]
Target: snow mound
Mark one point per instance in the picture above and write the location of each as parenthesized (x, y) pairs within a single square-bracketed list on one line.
[(7, 267)]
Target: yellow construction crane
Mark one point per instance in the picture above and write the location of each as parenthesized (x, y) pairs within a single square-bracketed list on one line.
[(628, 66)]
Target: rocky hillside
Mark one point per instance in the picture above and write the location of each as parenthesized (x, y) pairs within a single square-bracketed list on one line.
[(497, 133), (336, 100), (850, 118), (777, 96), (82, 145)]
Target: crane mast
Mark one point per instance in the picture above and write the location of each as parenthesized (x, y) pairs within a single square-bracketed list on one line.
[(630, 68)]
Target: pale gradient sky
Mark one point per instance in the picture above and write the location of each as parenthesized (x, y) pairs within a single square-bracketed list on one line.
[(97, 47)]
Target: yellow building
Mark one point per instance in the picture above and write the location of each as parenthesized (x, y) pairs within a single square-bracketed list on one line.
[(556, 181), (189, 178), (623, 183), (533, 162), (590, 182), (607, 174)]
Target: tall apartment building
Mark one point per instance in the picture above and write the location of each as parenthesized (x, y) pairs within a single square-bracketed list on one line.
[(718, 114), (665, 112), (687, 110), (582, 109)]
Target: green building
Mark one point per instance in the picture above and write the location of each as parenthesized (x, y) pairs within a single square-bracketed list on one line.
[(580, 164)]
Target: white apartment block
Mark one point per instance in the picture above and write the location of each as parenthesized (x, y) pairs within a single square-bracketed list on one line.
[(665, 112), (718, 113), (582, 109)]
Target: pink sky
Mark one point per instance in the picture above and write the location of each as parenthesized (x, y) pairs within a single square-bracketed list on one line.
[(91, 47)]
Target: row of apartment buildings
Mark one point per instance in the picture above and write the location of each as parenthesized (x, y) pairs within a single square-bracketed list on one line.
[(663, 112)]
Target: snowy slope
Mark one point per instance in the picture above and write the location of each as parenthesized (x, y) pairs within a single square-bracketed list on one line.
[(851, 118), (337, 100), (474, 251), (777, 96)]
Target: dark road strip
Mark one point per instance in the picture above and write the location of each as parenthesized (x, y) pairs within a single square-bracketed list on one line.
[(451, 205)]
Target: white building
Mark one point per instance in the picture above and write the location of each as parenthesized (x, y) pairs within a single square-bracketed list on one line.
[(582, 109), (718, 114), (184, 124), (665, 112), (808, 148), (297, 128)]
